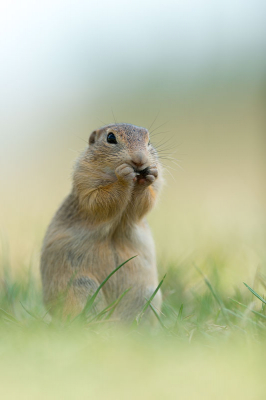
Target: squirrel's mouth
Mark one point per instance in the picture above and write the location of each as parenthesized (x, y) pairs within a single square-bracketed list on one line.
[(142, 172)]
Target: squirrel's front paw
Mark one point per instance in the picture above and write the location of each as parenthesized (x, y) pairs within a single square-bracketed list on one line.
[(125, 172), (148, 176)]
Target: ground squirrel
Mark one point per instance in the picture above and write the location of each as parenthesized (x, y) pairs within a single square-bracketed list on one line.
[(101, 224)]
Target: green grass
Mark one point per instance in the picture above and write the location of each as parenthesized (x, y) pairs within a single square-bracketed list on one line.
[(206, 344), (204, 313)]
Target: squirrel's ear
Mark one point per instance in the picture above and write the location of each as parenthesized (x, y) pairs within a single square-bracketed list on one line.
[(92, 137)]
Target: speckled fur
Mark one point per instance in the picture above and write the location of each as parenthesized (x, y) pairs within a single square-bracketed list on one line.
[(102, 224)]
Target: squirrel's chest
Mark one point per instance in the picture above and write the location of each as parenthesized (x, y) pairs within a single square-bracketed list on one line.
[(118, 247)]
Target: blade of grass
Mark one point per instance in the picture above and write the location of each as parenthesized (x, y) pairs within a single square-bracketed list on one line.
[(28, 312), (116, 304), (241, 316), (47, 312), (180, 312), (8, 316), (219, 301), (146, 305), (255, 293), (179, 317), (32, 315), (91, 299), (217, 315), (209, 286), (110, 308), (158, 317), (253, 311), (170, 308)]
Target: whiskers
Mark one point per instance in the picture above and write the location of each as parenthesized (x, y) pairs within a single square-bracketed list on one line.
[(74, 151), (157, 115), (168, 168), (114, 116), (155, 129), (83, 140), (165, 149), (169, 162)]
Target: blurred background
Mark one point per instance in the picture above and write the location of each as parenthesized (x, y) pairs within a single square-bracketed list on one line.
[(197, 67)]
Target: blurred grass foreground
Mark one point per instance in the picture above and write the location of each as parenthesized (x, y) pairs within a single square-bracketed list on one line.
[(204, 79)]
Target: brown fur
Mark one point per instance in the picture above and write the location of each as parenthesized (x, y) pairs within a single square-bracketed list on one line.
[(101, 224)]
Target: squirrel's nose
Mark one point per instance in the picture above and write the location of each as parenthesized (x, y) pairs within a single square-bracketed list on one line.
[(138, 159)]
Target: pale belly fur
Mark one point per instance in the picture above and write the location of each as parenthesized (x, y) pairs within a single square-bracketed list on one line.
[(84, 252)]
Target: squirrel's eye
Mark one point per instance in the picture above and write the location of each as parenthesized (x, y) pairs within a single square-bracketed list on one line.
[(111, 138), (149, 143)]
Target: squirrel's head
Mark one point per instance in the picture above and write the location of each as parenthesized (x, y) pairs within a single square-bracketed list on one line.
[(114, 144), (109, 147)]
